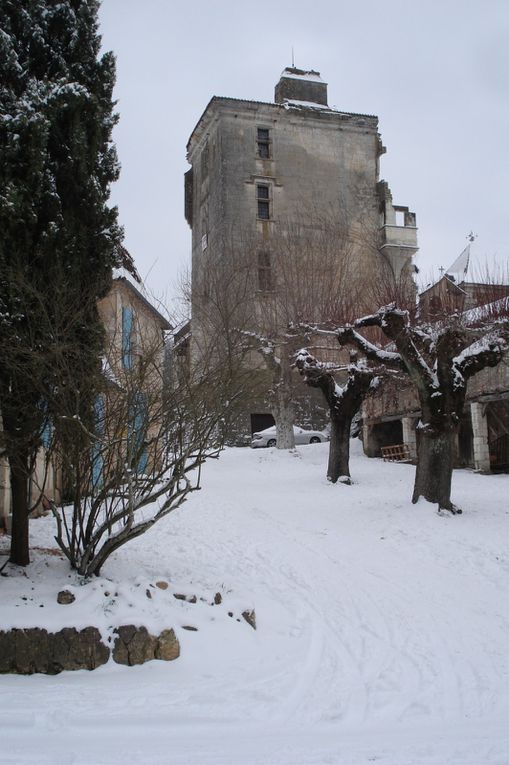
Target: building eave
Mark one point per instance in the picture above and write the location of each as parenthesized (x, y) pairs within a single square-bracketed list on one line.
[(299, 109), (161, 320)]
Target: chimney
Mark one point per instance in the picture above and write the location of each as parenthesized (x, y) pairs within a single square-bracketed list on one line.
[(299, 85)]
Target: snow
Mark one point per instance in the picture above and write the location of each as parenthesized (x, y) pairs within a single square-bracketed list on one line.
[(288, 74), (295, 102), (382, 626)]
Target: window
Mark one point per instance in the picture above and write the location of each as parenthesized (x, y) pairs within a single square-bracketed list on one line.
[(264, 272), (263, 201), (263, 143)]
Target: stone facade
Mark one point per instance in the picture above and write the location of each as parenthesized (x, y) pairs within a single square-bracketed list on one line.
[(262, 173)]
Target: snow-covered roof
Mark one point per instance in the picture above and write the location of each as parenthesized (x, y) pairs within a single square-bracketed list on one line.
[(299, 74), (294, 102)]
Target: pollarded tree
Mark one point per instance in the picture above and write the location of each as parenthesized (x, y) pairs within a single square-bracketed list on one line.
[(59, 237), (439, 359), (344, 401)]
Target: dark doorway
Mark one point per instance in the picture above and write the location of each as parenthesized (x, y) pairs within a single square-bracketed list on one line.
[(465, 456), (497, 413), (384, 434), (261, 422)]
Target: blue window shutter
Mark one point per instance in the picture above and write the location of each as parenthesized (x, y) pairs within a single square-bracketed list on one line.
[(97, 456), (47, 428), (127, 331), (137, 431), (47, 434)]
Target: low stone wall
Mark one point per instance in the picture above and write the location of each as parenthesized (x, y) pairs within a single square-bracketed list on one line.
[(31, 650)]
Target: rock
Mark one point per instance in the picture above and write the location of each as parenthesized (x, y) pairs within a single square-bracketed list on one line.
[(187, 598), (250, 618), (162, 585), (72, 649), (148, 593), (65, 597), (134, 645), (168, 646), (25, 651), (218, 598)]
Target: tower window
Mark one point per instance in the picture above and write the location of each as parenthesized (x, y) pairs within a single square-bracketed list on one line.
[(263, 201), (263, 143), (264, 272)]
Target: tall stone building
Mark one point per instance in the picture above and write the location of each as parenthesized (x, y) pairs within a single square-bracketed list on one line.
[(271, 176)]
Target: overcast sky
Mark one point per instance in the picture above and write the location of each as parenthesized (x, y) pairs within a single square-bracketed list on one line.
[(435, 72)]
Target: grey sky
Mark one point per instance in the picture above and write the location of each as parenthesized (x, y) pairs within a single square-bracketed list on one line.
[(435, 73)]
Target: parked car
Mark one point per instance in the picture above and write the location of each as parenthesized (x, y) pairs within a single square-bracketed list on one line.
[(267, 437)]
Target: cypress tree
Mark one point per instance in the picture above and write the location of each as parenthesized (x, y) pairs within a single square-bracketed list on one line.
[(59, 238)]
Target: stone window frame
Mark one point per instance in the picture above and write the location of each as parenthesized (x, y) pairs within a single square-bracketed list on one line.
[(263, 143), (263, 200), (265, 272)]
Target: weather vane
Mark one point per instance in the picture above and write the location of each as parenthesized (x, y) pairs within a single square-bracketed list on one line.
[(472, 237)]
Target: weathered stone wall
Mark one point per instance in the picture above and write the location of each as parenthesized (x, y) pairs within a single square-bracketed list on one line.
[(32, 650), (322, 180)]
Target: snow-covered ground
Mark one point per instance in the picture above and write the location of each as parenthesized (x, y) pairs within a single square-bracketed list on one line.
[(383, 628)]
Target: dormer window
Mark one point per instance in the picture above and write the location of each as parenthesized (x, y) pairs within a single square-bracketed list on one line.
[(263, 143)]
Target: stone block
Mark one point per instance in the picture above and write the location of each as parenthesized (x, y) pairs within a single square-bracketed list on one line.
[(168, 646)]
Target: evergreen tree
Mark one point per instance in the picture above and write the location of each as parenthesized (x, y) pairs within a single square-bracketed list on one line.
[(58, 237)]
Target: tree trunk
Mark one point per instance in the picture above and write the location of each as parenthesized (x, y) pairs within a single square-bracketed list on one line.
[(284, 417), (19, 492), (434, 469), (339, 451), (284, 414)]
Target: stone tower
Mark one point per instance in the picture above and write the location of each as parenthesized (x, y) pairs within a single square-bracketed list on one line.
[(260, 170)]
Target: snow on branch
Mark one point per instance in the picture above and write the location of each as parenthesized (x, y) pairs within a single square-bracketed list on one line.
[(348, 336), (484, 352)]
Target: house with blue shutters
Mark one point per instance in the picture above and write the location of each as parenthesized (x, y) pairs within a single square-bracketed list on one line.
[(133, 362)]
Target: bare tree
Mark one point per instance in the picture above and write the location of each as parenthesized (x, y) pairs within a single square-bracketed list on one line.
[(141, 458), (306, 274), (439, 359), (344, 401)]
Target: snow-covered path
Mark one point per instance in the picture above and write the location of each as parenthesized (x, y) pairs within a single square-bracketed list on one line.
[(383, 629)]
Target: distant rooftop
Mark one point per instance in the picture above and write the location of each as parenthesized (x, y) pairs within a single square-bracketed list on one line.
[(301, 74), (301, 85)]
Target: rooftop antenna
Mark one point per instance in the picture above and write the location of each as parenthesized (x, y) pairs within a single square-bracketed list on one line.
[(293, 59)]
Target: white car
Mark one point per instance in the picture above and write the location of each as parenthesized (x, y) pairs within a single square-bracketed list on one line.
[(267, 437)]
